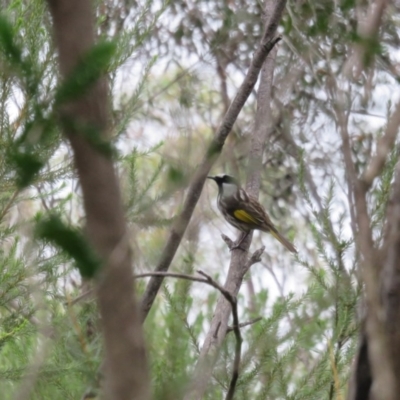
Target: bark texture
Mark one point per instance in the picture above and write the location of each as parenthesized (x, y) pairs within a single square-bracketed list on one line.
[(126, 375)]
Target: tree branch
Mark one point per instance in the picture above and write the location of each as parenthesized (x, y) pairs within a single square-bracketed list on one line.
[(243, 324), (238, 266), (212, 153), (236, 329), (383, 147), (232, 301), (209, 281)]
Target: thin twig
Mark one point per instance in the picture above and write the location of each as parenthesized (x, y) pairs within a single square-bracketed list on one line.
[(42, 198), (8, 205), (383, 147), (233, 302), (80, 297), (207, 280), (187, 277), (243, 324), (229, 242), (254, 258)]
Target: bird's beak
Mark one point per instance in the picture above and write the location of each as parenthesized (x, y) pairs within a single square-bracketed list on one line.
[(212, 177)]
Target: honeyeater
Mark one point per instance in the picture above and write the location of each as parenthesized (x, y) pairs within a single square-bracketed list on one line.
[(243, 211)]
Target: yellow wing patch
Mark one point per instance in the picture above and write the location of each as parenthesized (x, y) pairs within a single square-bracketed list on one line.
[(244, 216)]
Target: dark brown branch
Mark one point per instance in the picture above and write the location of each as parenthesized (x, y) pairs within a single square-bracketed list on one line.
[(207, 280), (187, 277), (255, 258), (213, 151), (243, 324), (361, 379)]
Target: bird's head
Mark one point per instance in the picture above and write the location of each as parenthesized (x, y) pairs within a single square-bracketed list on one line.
[(227, 184)]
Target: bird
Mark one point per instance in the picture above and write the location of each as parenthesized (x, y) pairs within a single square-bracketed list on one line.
[(244, 211)]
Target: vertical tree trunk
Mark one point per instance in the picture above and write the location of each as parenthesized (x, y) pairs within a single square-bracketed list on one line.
[(126, 375), (391, 275), (362, 383)]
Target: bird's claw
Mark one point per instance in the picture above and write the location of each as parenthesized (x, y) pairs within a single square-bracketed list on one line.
[(237, 247)]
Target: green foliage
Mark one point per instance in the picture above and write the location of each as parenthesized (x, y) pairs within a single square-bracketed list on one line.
[(26, 166), (71, 241), (92, 66), (162, 124), (9, 48), (23, 154)]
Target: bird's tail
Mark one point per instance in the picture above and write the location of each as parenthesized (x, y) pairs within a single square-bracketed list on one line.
[(283, 240)]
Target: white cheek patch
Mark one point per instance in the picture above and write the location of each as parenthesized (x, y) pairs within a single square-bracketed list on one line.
[(229, 189)]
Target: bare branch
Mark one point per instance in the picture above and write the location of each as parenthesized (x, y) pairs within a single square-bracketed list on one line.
[(229, 242), (254, 258), (238, 350), (79, 298), (236, 329), (187, 277), (383, 147), (243, 324), (232, 301)]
